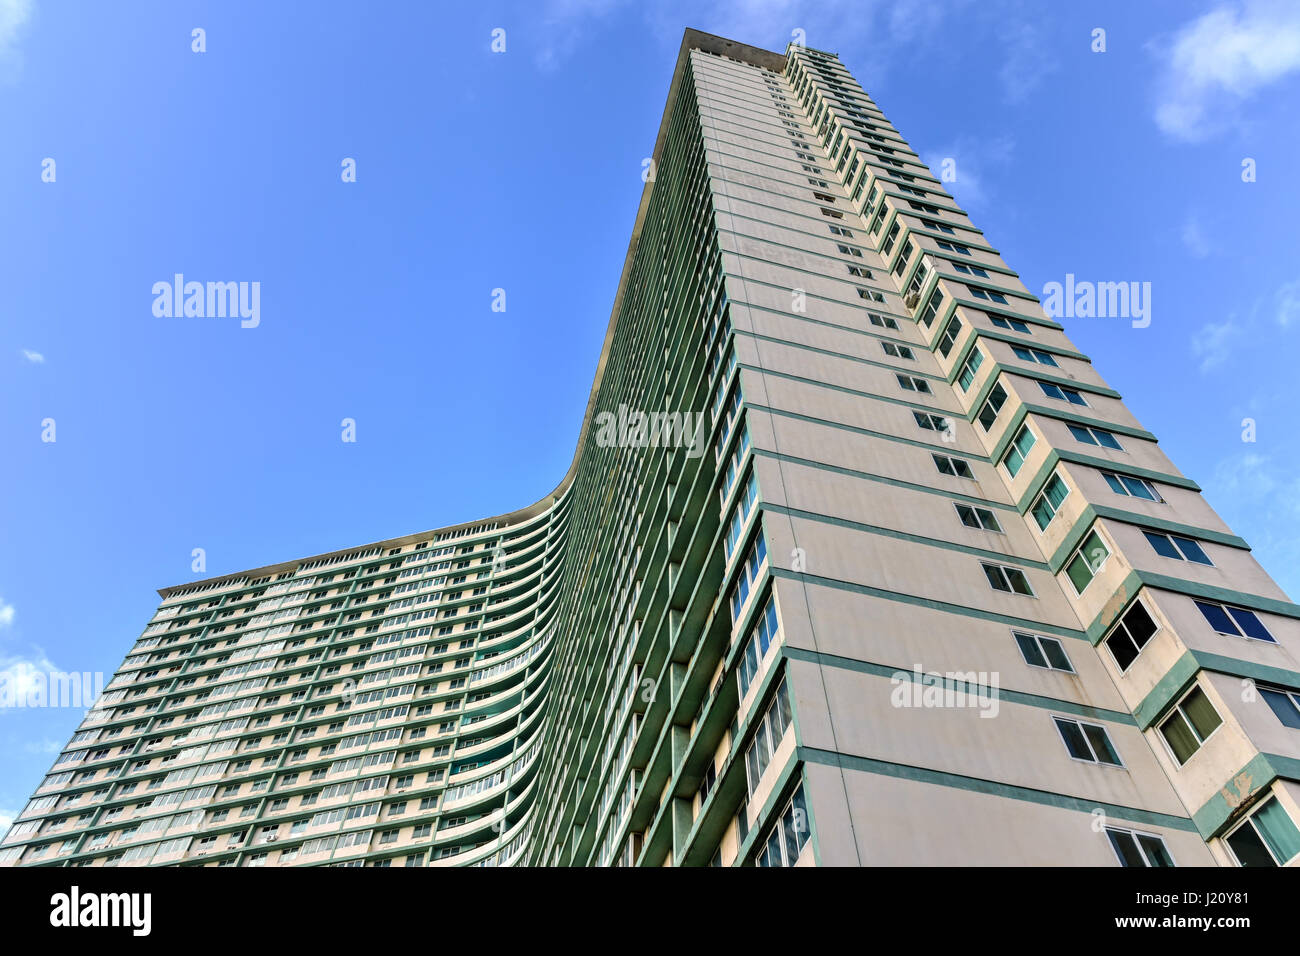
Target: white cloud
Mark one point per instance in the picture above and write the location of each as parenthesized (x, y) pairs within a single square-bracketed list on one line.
[(1194, 238), (1026, 61), (1287, 301), (6, 613), (14, 15), (20, 676), (36, 358), (971, 164), (1221, 59), (1213, 341), (6, 820)]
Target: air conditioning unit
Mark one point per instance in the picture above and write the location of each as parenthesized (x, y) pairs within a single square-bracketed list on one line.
[(913, 300), (272, 838)]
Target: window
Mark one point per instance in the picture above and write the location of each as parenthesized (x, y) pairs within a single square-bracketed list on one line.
[(771, 730), (1034, 355), (1087, 561), (1132, 487), (1018, 450), (931, 309), (1268, 837), (1095, 436), (1235, 621), (980, 519), (1013, 325), (1088, 742), (855, 252), (841, 231), (957, 467), (1007, 579), (969, 270), (932, 422), (1284, 703), (987, 294), (949, 336), (788, 836), (912, 384), (884, 321), (1049, 502), (1138, 849), (989, 413), (897, 351), (743, 508), (952, 247), (1040, 651), (858, 271), (1177, 547), (747, 575), (1134, 630), (972, 365), (1190, 723), (761, 637), (1064, 394)]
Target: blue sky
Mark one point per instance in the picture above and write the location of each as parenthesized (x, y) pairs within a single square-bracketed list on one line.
[(521, 171)]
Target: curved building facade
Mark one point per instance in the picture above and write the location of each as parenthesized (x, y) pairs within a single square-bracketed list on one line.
[(859, 561)]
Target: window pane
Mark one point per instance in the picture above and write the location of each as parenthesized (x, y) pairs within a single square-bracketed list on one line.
[(1079, 573), (1138, 489), (1122, 649), (1179, 737), (1139, 624), (1192, 551), (1074, 741), (1029, 648), (1162, 545), (1201, 713), (1082, 434), (1282, 705), (1155, 850), (1218, 618), (1278, 830), (1251, 624), (1126, 847), (1019, 583), (1107, 439), (994, 574), (1100, 741), (1249, 848), (1056, 654)]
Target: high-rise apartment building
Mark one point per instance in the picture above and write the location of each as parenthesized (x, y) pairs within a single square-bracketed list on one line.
[(859, 561)]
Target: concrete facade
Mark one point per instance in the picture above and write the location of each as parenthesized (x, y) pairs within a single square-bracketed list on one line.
[(730, 658)]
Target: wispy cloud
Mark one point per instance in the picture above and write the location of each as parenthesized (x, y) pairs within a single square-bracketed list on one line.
[(1221, 59), (1194, 238), (972, 162), (14, 15), (36, 358), (6, 614), (564, 26), (20, 675), (1026, 61), (1287, 303), (1213, 342)]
